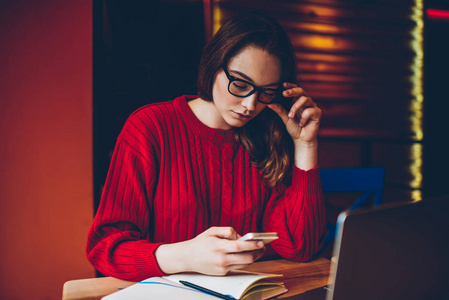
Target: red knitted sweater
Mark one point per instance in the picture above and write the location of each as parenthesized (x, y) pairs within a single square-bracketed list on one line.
[(171, 178)]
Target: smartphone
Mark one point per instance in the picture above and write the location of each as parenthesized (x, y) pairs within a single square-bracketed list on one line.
[(266, 237)]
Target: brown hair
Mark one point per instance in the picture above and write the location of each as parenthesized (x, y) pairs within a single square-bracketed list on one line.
[(265, 137)]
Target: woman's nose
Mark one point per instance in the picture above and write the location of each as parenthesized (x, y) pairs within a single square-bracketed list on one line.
[(250, 102)]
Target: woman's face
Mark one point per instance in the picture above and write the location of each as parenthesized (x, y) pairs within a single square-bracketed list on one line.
[(251, 64)]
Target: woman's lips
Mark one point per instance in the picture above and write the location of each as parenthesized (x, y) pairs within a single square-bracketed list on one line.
[(241, 116)]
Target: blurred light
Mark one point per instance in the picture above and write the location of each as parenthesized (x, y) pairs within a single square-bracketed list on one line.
[(217, 19), (437, 14), (416, 165), (416, 105), (321, 43), (416, 195)]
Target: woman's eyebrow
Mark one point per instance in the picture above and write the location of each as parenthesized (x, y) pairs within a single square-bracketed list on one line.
[(246, 77)]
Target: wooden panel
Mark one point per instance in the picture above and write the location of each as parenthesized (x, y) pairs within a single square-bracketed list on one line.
[(337, 154), (361, 61), (354, 58), (401, 162)]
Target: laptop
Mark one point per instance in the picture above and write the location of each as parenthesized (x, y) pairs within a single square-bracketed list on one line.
[(397, 251)]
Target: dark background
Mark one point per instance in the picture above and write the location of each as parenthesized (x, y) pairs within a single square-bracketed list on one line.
[(148, 51)]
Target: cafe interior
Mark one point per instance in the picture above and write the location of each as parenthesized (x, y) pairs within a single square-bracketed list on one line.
[(73, 72)]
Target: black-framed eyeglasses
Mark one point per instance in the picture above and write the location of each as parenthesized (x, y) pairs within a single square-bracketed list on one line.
[(242, 88)]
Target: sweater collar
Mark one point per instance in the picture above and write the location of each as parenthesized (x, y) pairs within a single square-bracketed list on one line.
[(197, 127)]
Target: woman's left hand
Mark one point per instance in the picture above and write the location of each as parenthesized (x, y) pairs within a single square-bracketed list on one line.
[(303, 119)]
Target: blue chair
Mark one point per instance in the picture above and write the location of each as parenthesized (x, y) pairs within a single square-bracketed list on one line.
[(370, 181)]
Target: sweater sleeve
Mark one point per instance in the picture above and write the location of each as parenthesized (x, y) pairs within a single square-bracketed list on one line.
[(119, 242), (297, 214)]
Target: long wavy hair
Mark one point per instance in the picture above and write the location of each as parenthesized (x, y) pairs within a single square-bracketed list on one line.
[(265, 137)]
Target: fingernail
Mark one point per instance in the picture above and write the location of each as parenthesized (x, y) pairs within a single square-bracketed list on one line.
[(290, 115), (260, 244)]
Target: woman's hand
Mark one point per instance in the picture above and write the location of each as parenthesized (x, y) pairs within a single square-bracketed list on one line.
[(303, 119), (216, 251), (302, 123)]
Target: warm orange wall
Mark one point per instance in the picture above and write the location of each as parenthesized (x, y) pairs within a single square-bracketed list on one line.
[(45, 145)]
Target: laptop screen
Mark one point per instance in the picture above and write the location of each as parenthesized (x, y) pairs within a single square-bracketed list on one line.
[(393, 252)]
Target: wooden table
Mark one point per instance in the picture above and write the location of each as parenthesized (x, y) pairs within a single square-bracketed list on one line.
[(298, 278)]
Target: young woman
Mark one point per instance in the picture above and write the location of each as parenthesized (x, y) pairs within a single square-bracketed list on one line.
[(190, 176)]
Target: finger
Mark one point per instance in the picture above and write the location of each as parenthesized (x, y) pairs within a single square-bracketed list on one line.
[(298, 106), (294, 91), (223, 232), (237, 267), (308, 114), (241, 246), (289, 85), (243, 258), (277, 108), (235, 261), (260, 252), (225, 270)]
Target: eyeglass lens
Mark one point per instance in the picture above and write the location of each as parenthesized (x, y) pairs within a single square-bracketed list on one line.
[(241, 88)]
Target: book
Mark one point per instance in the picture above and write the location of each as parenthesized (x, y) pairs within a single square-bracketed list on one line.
[(237, 284), (240, 285), (160, 289)]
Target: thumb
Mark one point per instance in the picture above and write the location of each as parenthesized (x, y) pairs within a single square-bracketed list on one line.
[(277, 108), (224, 233)]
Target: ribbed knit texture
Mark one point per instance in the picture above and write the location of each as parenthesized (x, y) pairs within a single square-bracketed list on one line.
[(171, 178)]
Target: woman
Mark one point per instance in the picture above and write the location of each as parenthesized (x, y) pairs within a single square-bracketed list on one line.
[(190, 176)]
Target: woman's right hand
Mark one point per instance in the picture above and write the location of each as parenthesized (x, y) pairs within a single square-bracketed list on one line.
[(216, 251)]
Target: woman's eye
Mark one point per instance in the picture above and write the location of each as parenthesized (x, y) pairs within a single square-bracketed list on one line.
[(240, 85), (269, 92)]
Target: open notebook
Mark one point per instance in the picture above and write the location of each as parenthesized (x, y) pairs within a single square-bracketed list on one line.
[(236, 285)]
